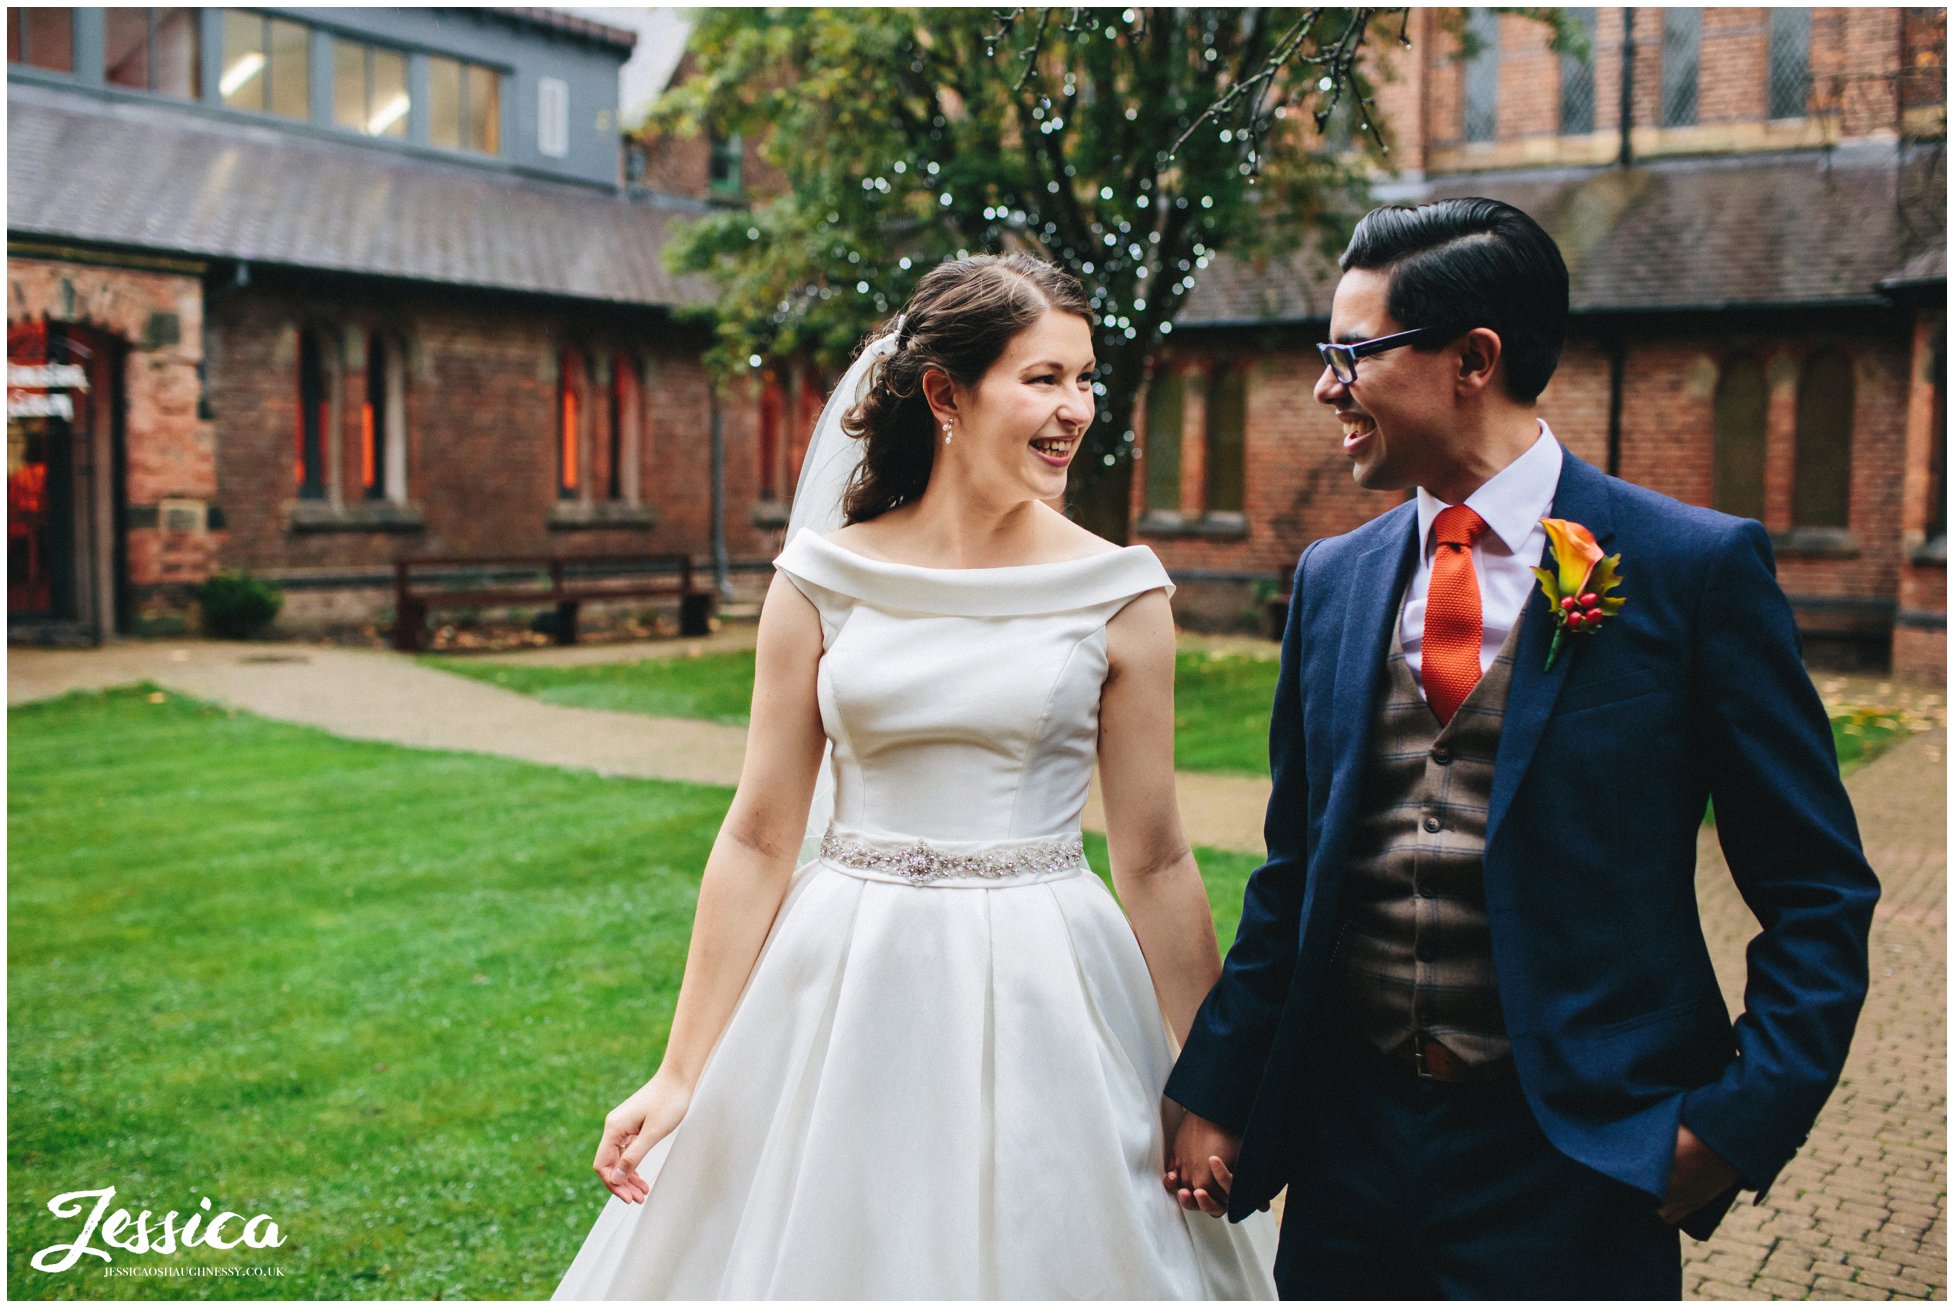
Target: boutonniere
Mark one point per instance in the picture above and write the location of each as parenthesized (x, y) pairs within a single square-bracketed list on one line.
[(1578, 590)]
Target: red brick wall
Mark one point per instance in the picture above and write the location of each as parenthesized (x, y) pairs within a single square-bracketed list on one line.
[(1529, 79), (481, 432), (1920, 652), (1299, 486), (679, 165), (1924, 34), (170, 452), (1399, 80), (1733, 67), (1856, 54)]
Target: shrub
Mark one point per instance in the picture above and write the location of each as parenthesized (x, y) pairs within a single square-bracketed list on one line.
[(237, 605)]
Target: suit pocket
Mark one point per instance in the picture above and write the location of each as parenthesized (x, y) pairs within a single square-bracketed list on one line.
[(1602, 694)]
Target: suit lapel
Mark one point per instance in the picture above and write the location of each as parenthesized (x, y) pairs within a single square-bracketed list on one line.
[(1375, 582), (1581, 496)]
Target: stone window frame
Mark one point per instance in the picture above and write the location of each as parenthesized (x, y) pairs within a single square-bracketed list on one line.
[(1225, 373), (1195, 515), (1481, 68), (1822, 443), (1743, 368), (583, 370), (1575, 71), (319, 447), (340, 508), (1678, 102), (390, 424), (1790, 34), (625, 397), (1166, 398)]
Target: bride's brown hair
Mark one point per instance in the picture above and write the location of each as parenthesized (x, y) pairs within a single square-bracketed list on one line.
[(963, 314)]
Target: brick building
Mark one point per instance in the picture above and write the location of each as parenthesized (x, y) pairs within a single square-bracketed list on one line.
[(302, 291), (1755, 228)]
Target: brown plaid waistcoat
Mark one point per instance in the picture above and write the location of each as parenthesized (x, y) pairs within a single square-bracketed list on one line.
[(1413, 953)]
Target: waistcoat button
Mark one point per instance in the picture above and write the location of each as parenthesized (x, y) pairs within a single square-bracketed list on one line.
[(1433, 824), (1441, 757)]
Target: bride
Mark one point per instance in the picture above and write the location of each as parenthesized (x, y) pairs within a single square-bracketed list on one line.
[(924, 1059)]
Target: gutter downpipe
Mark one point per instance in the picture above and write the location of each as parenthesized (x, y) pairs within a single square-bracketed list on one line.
[(1625, 155), (1624, 158), (721, 570)]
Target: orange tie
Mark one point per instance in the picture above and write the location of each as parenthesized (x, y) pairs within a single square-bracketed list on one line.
[(1449, 658)]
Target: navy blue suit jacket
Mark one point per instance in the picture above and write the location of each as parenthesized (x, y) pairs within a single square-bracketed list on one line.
[(1695, 692)]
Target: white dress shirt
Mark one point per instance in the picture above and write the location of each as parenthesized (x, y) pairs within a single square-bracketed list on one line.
[(1511, 504)]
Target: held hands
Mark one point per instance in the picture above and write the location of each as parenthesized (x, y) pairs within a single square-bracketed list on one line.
[(1698, 1175), (1200, 1163), (632, 1128)]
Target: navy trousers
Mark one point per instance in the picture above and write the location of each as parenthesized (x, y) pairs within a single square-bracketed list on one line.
[(1404, 1188)]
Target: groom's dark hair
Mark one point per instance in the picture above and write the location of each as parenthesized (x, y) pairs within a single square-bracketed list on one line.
[(1472, 262)]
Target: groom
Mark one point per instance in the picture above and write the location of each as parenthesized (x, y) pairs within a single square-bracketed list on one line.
[(1469, 1017)]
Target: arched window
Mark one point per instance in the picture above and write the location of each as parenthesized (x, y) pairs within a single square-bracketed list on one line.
[(1577, 80), (1737, 439), (1682, 46), (1164, 397), (314, 416), (773, 406), (814, 387), (1789, 81), (572, 385), (1937, 457), (1227, 423), (626, 430), (1821, 487), (1482, 76), (383, 421)]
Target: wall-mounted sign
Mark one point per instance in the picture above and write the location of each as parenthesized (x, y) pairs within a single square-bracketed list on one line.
[(37, 390)]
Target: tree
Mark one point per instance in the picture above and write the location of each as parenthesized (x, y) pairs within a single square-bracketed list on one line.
[(1127, 146)]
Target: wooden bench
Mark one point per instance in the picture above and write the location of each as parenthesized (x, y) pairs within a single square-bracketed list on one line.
[(560, 583)]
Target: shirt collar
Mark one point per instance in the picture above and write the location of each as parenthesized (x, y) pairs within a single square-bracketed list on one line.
[(1513, 501)]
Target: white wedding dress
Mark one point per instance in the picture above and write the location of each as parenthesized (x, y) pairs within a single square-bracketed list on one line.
[(938, 1086)]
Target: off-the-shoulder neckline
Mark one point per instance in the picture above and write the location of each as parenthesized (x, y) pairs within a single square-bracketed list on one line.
[(857, 556)]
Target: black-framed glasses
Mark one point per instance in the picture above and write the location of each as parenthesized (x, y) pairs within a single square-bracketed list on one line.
[(1341, 360)]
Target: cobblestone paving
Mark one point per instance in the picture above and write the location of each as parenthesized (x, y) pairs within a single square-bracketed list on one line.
[(1861, 1212)]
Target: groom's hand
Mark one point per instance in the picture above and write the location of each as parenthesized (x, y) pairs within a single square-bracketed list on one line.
[(1698, 1175), (1200, 1165)]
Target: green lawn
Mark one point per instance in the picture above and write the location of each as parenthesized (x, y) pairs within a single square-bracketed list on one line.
[(716, 687), (383, 995), (1221, 701), (1221, 718)]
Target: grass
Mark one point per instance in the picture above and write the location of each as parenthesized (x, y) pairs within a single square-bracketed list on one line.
[(1863, 734), (715, 687), (1221, 702), (1221, 718), (383, 995)]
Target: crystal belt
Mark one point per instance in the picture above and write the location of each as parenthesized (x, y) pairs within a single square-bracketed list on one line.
[(920, 862)]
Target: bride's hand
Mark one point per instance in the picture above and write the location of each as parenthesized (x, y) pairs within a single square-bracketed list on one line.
[(632, 1128)]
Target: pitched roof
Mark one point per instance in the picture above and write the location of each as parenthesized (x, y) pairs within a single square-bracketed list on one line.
[(569, 24), (1677, 234), (157, 178)]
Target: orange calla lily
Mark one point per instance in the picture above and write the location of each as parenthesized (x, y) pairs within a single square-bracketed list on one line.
[(1575, 551), (1577, 589)]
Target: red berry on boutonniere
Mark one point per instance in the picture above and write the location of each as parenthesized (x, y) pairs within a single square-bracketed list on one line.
[(1577, 588)]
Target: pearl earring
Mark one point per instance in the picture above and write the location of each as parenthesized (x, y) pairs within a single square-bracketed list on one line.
[(947, 435)]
